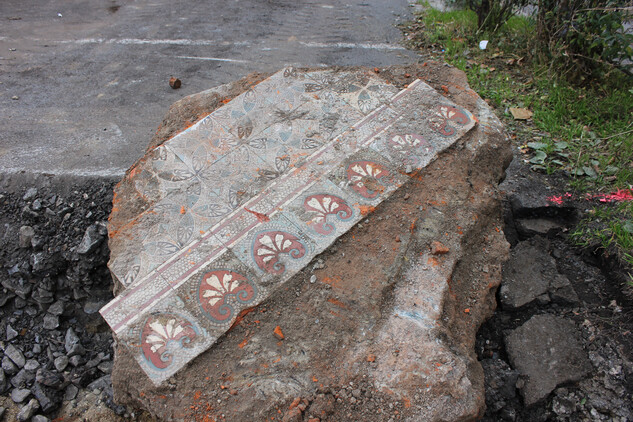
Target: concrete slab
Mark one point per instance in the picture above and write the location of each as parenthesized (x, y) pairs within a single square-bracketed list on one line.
[(181, 256), (91, 77)]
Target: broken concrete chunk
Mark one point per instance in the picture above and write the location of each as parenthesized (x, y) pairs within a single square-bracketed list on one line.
[(281, 174), (531, 274), (546, 351)]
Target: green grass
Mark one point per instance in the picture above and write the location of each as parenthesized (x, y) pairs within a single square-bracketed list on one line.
[(610, 229), (584, 132)]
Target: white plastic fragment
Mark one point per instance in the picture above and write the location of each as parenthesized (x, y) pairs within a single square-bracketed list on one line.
[(483, 44)]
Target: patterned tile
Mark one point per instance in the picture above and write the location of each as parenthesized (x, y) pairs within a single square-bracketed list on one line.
[(197, 254), (238, 176), (332, 113), (233, 229), (362, 89), (283, 190), (202, 145), (160, 173), (275, 250), (132, 265), (164, 340), (134, 301), (288, 144), (165, 230), (218, 291), (246, 197), (271, 101), (402, 145), (367, 176), (324, 212), (434, 117)]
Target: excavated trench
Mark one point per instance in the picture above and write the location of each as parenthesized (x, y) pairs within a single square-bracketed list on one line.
[(57, 350)]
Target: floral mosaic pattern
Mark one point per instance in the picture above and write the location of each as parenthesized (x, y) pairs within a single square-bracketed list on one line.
[(163, 336), (251, 193), (219, 290), (270, 245), (368, 178), (410, 148), (444, 118), (324, 205)]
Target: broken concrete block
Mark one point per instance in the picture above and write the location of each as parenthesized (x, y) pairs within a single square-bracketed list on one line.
[(546, 352), (214, 235)]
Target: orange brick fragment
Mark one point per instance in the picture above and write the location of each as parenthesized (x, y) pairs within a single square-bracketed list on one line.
[(371, 358), (278, 333), (295, 403), (437, 248)]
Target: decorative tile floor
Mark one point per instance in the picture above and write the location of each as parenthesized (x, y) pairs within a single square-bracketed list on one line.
[(249, 195)]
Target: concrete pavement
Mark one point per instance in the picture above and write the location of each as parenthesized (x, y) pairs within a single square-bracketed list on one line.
[(91, 76)]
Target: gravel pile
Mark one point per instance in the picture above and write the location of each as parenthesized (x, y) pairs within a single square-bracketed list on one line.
[(54, 279)]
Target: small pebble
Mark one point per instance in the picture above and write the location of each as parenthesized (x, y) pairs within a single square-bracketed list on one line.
[(175, 83)]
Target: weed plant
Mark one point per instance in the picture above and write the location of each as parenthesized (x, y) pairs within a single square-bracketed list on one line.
[(584, 132)]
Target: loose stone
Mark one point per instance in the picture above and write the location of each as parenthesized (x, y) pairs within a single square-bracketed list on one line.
[(18, 395), (27, 411), (61, 362), (15, 355)]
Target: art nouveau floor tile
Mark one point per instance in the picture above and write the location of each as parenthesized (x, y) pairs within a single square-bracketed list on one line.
[(271, 101), (284, 91), (218, 291), (233, 229), (275, 250), (404, 147), (165, 230), (248, 196), (134, 301), (238, 176), (166, 339), (435, 117), (324, 212), (203, 144), (374, 123), (445, 124), (367, 176), (419, 94), (361, 90), (164, 172), (287, 150), (206, 249), (274, 198), (352, 140), (129, 267), (333, 115)]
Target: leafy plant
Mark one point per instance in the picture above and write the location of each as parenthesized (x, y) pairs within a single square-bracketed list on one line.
[(584, 132), (583, 38), (493, 14)]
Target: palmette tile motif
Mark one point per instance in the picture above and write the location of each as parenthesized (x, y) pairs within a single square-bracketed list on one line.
[(268, 246), (163, 335), (219, 289), (246, 197), (323, 206)]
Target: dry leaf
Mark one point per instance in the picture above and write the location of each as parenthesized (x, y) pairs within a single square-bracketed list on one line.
[(520, 113)]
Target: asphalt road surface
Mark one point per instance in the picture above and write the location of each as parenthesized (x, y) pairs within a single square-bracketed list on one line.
[(84, 83)]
